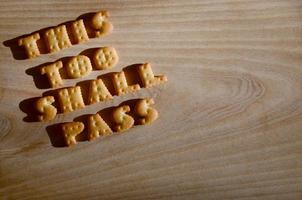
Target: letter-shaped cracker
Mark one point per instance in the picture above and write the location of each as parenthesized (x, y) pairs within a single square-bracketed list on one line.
[(121, 119), (144, 110), (121, 86), (100, 24), (105, 57), (98, 91), (46, 110), (57, 38), (97, 127), (147, 77), (78, 66), (53, 74), (70, 131), (30, 45), (79, 31), (70, 99)]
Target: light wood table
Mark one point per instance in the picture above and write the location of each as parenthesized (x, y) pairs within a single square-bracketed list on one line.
[(230, 116)]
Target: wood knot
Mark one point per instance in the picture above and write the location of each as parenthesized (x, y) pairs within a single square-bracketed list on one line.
[(5, 126)]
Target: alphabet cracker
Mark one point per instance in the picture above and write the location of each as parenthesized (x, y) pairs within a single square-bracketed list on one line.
[(79, 31), (46, 110), (71, 99), (57, 38), (147, 76), (30, 45), (97, 127), (121, 86), (70, 131), (122, 121), (105, 57), (78, 66), (144, 110), (53, 74), (100, 23), (98, 92)]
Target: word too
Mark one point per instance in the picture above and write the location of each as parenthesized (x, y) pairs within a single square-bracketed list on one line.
[(121, 121), (80, 65)]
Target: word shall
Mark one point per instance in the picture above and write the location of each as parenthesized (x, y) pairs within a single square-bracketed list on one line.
[(70, 99), (57, 38), (121, 121)]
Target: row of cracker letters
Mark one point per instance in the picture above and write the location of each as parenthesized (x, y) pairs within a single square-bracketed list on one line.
[(57, 38), (96, 126), (70, 99), (80, 65)]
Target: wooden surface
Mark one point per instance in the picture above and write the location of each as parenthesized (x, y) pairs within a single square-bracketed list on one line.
[(230, 124)]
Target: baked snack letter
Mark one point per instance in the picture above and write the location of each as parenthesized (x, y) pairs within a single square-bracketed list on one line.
[(78, 66), (97, 127), (70, 99), (147, 76), (98, 91), (121, 86), (105, 57), (57, 38), (71, 130), (46, 110), (30, 45), (53, 74), (144, 110), (121, 119), (79, 31), (100, 24)]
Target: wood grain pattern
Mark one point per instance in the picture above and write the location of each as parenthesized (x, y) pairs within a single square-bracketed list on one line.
[(230, 117)]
